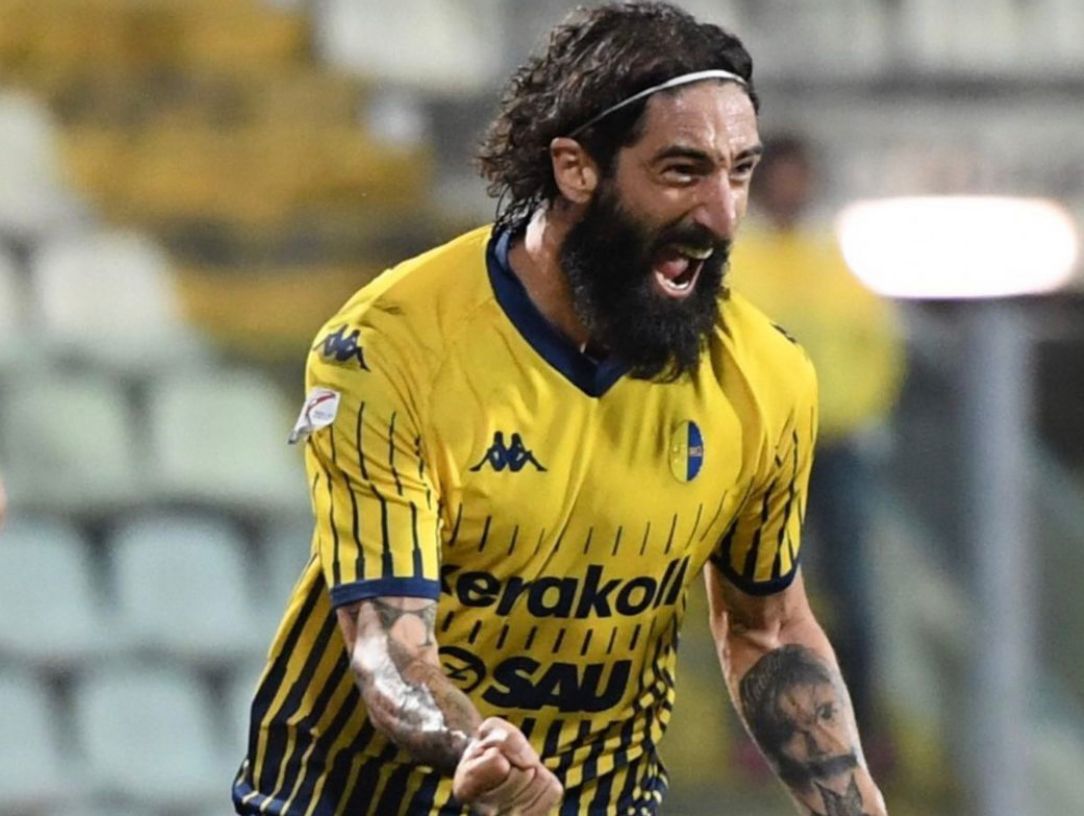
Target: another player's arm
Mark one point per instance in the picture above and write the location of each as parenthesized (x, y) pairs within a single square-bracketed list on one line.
[(393, 652), (787, 688)]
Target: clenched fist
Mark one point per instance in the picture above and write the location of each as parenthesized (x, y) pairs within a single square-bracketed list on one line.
[(500, 773)]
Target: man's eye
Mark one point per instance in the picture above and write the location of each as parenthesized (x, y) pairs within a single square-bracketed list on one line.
[(826, 711), (743, 170), (682, 170)]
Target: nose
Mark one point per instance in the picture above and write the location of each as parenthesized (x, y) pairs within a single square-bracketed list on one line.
[(717, 209), (813, 745)]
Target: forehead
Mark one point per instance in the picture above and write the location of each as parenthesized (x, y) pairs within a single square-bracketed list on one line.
[(713, 116), (800, 694)]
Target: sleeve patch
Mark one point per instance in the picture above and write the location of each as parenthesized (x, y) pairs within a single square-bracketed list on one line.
[(320, 409)]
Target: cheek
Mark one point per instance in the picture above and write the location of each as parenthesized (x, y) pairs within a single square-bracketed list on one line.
[(741, 203), (795, 746)]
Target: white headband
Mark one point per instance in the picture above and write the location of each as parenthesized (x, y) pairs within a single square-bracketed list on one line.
[(684, 79)]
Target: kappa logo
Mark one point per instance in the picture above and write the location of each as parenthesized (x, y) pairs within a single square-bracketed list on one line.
[(342, 347), (515, 457)]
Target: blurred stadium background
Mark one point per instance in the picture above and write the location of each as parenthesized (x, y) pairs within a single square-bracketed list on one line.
[(188, 187)]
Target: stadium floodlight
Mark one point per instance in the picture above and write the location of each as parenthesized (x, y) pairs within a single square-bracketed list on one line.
[(949, 247)]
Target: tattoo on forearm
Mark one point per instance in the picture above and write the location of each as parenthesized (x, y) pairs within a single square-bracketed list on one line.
[(408, 696), (390, 615), (848, 803), (798, 711)]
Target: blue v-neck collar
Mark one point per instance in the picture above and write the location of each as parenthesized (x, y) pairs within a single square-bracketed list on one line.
[(592, 377)]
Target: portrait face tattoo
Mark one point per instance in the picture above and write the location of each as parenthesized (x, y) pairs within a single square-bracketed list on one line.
[(793, 707), (814, 731)]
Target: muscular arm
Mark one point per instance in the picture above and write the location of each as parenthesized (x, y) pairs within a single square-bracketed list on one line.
[(785, 683), (394, 657)]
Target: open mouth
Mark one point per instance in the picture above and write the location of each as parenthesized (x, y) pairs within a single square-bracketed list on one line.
[(677, 268)]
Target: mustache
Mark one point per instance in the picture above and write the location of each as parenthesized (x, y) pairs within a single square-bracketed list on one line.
[(803, 773), (696, 237), (833, 766)]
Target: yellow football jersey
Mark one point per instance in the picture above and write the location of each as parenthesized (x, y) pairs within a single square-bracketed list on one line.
[(459, 448)]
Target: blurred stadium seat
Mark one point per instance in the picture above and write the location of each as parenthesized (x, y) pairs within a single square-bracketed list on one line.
[(183, 589), (450, 43), (33, 199), (14, 315), (220, 436), (109, 298), (148, 739), (47, 595), (113, 808), (238, 702), (210, 124), (240, 175), (286, 551), (12, 301), (234, 308), (50, 36), (67, 442), (34, 773)]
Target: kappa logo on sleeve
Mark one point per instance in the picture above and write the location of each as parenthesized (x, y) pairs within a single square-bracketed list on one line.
[(342, 347), (319, 411)]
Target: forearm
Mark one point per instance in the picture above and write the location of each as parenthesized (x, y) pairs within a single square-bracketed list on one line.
[(787, 687), (406, 693), (418, 708)]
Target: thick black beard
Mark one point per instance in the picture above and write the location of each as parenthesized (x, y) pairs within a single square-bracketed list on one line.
[(607, 257)]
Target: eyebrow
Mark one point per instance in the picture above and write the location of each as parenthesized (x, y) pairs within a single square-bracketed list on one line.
[(696, 154)]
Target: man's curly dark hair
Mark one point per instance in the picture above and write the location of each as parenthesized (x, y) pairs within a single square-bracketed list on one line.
[(595, 58)]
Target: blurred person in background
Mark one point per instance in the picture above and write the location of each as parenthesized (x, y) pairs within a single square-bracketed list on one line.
[(795, 272), (524, 445)]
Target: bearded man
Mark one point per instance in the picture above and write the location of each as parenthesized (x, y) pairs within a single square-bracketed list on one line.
[(541, 433)]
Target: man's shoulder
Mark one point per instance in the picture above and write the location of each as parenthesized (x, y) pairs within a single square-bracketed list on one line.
[(449, 276), (424, 297), (769, 358), (402, 322), (757, 335)]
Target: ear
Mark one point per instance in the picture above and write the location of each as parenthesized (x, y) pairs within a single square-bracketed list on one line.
[(574, 171)]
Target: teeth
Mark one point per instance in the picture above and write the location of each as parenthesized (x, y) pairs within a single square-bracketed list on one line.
[(697, 253), (674, 286)]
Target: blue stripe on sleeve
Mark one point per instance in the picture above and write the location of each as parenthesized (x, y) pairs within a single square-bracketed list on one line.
[(751, 587), (385, 587)]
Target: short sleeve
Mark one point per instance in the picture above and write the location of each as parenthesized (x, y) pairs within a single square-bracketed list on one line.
[(374, 503), (760, 551)]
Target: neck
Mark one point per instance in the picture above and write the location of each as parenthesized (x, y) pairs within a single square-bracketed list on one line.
[(536, 261)]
